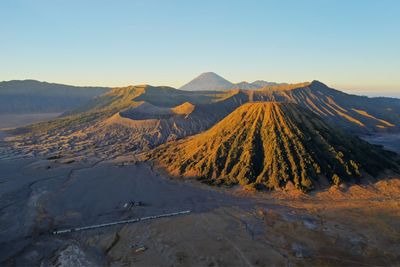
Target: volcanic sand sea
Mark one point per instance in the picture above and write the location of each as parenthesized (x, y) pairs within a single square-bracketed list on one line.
[(2, 135), (359, 225), (387, 140), (19, 120)]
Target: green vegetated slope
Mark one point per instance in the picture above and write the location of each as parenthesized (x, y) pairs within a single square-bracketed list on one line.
[(271, 144)]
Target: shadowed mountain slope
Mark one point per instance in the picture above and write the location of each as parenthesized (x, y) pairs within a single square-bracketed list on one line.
[(270, 145), (30, 96)]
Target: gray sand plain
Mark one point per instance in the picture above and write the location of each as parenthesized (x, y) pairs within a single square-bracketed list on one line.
[(18, 120), (358, 225), (388, 141), (226, 226), (40, 196)]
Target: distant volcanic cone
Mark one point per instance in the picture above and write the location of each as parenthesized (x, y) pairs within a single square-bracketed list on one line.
[(268, 145)]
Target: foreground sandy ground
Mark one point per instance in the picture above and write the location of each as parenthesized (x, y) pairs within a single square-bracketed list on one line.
[(350, 226)]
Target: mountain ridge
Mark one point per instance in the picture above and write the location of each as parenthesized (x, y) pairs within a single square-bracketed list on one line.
[(113, 119), (271, 144), (212, 81), (351, 112), (32, 96), (133, 119)]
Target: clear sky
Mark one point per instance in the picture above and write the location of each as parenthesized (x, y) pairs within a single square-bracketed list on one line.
[(348, 44)]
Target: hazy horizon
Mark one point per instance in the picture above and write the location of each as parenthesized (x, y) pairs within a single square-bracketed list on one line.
[(355, 91), (350, 46)]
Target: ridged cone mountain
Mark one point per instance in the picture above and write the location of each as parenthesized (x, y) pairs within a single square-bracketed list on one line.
[(208, 81), (270, 144)]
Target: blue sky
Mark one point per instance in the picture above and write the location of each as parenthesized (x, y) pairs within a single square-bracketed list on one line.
[(349, 44)]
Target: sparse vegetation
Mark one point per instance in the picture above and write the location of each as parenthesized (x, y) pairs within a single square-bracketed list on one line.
[(336, 179)]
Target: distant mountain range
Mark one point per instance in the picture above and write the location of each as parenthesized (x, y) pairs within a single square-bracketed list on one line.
[(137, 118), (30, 96), (210, 81), (350, 112)]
